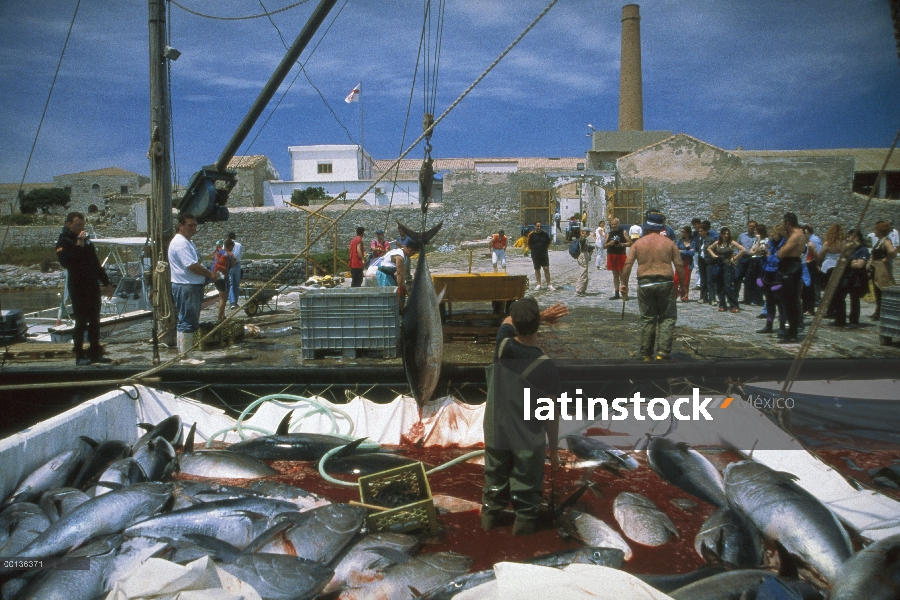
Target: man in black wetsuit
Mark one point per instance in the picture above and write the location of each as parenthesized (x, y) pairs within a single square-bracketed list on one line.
[(539, 244), (77, 255), (514, 446)]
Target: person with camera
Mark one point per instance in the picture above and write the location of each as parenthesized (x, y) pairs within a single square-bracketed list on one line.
[(616, 246), (78, 257), (656, 256)]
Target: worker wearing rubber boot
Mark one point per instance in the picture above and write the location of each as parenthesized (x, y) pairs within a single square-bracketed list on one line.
[(514, 447), (656, 256), (188, 280)]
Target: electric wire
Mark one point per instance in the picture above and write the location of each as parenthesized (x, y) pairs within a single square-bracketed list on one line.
[(244, 18)]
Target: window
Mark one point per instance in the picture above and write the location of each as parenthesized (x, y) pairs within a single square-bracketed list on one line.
[(92, 209), (579, 166), (68, 189), (96, 186), (124, 189), (324, 168)]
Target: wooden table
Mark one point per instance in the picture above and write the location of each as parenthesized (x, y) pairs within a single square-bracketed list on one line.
[(500, 289)]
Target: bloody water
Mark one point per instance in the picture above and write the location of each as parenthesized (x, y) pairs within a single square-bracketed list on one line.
[(462, 531)]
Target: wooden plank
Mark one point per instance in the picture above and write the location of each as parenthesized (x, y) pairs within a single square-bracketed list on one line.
[(26, 351)]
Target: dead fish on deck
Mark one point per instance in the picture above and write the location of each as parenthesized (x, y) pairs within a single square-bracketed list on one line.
[(238, 521), (59, 502), (220, 463), (413, 578), (20, 524), (742, 585), (361, 563), (729, 537), (873, 573), (58, 472), (156, 458), (788, 514), (421, 335), (687, 469), (366, 463), (318, 534), (170, 429), (102, 455), (642, 521), (670, 583), (79, 584), (600, 453), (123, 472), (302, 499), (593, 531), (284, 445), (104, 515), (451, 504)]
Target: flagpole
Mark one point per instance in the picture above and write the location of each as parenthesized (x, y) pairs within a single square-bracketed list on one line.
[(362, 124)]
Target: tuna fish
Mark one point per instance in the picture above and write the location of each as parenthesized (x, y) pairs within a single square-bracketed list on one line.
[(642, 521), (421, 335), (318, 534), (123, 472), (872, 573), (58, 472), (59, 502), (279, 577), (684, 467), (85, 584), (670, 583), (362, 563), (220, 463), (593, 531), (729, 537), (366, 463), (788, 514), (169, 429), (237, 521), (590, 449), (156, 458), (302, 499), (416, 576), (102, 455), (104, 515), (288, 446), (20, 524), (741, 585)]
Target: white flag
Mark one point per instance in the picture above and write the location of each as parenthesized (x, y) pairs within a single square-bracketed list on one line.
[(353, 96)]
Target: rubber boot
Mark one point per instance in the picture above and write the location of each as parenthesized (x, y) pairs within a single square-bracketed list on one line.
[(185, 342)]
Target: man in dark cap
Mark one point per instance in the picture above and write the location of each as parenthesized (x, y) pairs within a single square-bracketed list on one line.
[(656, 256), (514, 446)]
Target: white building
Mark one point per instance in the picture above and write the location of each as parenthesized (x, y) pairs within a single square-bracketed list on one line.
[(341, 168)]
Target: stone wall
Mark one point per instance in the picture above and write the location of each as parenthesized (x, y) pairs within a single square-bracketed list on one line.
[(687, 178)]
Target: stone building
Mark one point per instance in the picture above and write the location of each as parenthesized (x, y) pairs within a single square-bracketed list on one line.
[(88, 189), (254, 174)]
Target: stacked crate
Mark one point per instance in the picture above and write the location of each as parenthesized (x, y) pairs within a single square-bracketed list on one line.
[(348, 320), (889, 322)]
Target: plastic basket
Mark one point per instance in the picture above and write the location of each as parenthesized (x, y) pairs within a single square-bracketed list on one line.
[(350, 319), (409, 517)]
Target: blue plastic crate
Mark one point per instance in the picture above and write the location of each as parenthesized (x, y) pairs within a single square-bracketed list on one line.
[(350, 319)]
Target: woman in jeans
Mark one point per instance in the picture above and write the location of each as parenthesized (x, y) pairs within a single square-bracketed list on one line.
[(726, 252), (855, 283), (771, 281)]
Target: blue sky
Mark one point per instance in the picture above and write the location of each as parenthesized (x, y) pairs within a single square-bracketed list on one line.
[(754, 73)]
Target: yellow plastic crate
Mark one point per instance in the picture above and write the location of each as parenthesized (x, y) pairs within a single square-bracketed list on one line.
[(419, 514)]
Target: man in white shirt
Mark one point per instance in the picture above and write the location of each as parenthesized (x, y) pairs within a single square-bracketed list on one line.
[(188, 280), (234, 273)]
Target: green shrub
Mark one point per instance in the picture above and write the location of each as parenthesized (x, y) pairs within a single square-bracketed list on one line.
[(25, 256)]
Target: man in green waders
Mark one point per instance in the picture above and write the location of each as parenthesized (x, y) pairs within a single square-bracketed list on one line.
[(514, 445)]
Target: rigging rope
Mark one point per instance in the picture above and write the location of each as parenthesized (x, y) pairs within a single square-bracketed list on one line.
[(43, 115), (327, 227), (265, 14)]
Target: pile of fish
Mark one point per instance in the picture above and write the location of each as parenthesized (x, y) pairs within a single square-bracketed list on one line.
[(769, 538), (118, 504)]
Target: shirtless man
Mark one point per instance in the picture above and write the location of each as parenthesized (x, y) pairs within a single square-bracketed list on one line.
[(655, 255), (790, 270)]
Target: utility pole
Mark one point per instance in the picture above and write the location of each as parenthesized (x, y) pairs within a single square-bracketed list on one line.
[(160, 221)]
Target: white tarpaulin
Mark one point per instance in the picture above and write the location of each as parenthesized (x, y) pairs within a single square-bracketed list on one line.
[(201, 579), (516, 581)]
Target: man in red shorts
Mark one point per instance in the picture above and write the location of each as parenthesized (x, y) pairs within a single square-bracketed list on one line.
[(616, 246)]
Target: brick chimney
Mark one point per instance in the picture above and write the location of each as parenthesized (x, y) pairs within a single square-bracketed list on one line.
[(631, 99)]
